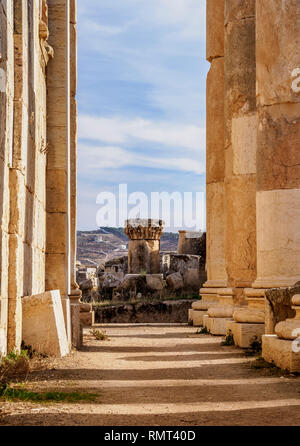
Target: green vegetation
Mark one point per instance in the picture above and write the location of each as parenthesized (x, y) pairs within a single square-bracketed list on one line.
[(229, 340), (8, 393), (255, 348), (99, 335), (202, 331), (134, 301), (14, 365)]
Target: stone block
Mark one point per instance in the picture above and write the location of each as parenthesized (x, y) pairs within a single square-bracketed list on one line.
[(85, 308), (241, 229), (180, 263), (249, 315), (201, 305), (215, 163), (155, 282), (239, 10), (278, 306), (87, 319), (190, 317), (245, 334), (216, 221), (221, 311), (216, 326), (277, 51), (215, 27), (198, 318), (278, 255), (280, 352), (280, 168), (175, 281), (244, 144), (43, 324)]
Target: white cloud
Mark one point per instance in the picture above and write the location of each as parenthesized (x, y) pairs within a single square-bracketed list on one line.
[(188, 16), (118, 158), (118, 130)]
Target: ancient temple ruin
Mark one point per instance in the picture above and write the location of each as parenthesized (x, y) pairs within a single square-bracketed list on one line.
[(253, 178)]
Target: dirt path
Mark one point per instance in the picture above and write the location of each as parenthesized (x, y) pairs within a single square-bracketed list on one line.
[(167, 375)]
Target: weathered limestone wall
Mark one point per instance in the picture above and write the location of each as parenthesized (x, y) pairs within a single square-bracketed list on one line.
[(216, 269), (37, 151), (27, 173), (240, 143), (278, 154), (6, 144)]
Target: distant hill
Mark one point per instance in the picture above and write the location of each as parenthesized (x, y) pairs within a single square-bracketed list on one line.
[(97, 247)]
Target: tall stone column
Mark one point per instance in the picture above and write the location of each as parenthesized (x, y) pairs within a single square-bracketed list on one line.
[(240, 161), (215, 164), (58, 249), (144, 245), (278, 154), (73, 137), (6, 149), (75, 294), (17, 176), (278, 168)]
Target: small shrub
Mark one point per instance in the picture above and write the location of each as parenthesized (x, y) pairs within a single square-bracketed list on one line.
[(13, 365), (99, 335), (203, 330), (255, 348), (229, 340), (260, 363)]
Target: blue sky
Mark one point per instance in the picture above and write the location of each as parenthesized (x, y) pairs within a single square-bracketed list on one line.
[(141, 98)]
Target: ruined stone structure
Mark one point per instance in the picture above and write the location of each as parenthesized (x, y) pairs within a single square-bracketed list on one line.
[(38, 171), (144, 245), (253, 167)]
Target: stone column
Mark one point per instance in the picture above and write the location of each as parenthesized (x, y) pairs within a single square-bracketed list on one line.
[(58, 250), (278, 174), (278, 154), (215, 164), (17, 176), (144, 245), (73, 138), (6, 145), (240, 160)]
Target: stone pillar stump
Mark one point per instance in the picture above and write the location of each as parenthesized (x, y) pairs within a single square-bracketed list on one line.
[(144, 245)]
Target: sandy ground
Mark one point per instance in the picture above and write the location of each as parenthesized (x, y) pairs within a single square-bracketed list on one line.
[(160, 376)]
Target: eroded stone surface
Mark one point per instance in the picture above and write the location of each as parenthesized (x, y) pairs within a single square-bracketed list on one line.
[(43, 325)]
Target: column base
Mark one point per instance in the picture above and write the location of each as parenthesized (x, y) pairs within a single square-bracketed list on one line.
[(244, 334), (197, 317), (216, 326), (280, 352)]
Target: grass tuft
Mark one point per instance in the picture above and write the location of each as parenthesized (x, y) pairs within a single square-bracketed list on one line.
[(229, 340), (8, 393), (99, 335), (202, 331)]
